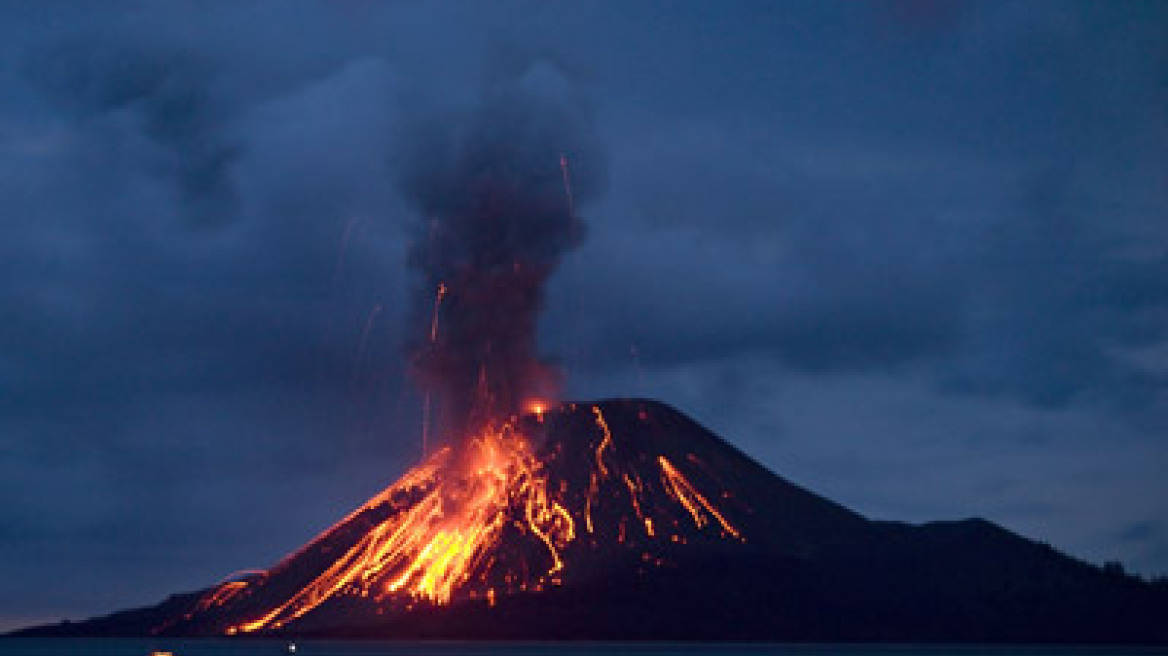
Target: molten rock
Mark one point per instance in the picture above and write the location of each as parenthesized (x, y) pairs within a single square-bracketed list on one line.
[(540, 501)]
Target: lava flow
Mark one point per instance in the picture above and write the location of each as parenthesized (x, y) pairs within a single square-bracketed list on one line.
[(510, 511), (442, 541)]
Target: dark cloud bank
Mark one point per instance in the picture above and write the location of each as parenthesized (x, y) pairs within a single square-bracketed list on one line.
[(911, 255)]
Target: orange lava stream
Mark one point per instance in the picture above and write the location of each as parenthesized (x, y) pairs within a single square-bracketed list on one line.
[(680, 488), (221, 594)]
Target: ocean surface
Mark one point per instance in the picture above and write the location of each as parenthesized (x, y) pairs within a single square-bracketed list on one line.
[(218, 647)]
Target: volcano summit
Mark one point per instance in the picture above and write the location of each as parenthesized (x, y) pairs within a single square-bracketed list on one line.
[(626, 520)]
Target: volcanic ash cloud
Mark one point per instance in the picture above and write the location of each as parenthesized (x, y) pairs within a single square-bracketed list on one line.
[(496, 192)]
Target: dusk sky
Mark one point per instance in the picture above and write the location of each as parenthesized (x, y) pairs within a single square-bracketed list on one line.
[(911, 255)]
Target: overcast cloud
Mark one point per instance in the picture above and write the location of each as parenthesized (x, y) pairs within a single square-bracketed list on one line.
[(910, 254)]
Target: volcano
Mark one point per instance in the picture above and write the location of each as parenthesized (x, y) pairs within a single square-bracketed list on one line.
[(624, 519)]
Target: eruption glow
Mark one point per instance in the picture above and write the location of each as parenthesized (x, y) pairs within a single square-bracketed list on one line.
[(484, 516), (444, 540), (478, 522)]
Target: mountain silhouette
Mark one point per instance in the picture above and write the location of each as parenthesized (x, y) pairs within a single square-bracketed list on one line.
[(630, 521)]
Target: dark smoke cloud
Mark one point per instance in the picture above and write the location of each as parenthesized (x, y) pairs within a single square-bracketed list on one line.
[(167, 97), (496, 193)]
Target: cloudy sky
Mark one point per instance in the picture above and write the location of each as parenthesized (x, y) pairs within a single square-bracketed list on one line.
[(911, 255)]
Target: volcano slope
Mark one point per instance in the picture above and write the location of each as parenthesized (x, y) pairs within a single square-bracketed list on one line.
[(627, 520)]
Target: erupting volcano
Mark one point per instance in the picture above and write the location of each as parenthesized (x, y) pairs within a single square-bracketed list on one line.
[(521, 507), (529, 517), (497, 509), (487, 513)]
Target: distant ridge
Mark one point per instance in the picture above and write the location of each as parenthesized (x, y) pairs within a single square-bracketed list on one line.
[(712, 546)]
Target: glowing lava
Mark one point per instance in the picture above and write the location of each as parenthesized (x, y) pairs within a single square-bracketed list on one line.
[(493, 517), (536, 407), (441, 543)]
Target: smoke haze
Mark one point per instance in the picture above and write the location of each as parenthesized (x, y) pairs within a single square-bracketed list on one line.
[(495, 193)]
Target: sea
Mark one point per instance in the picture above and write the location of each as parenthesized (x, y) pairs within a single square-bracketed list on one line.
[(220, 647)]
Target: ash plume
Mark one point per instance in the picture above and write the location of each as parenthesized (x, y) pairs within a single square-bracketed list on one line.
[(496, 193)]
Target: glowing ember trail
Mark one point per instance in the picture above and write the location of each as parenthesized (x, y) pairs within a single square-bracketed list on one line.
[(426, 403), (567, 185), (437, 305)]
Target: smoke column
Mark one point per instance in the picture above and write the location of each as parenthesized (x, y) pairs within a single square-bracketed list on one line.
[(493, 221)]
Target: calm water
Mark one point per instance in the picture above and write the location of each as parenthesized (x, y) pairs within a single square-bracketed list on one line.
[(114, 647)]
